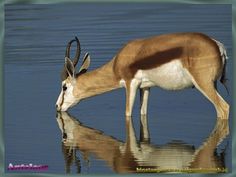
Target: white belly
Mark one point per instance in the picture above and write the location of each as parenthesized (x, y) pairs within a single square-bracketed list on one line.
[(170, 76)]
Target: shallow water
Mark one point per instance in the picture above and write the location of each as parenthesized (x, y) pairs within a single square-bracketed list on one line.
[(35, 41)]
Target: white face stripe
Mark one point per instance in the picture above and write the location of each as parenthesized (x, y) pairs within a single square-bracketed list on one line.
[(60, 99), (66, 98)]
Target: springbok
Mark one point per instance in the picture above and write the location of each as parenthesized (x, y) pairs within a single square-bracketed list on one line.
[(170, 61)]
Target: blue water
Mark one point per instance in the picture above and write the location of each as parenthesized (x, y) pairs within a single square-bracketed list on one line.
[(35, 41)]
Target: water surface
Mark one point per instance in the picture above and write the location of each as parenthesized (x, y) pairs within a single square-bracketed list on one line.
[(35, 41)]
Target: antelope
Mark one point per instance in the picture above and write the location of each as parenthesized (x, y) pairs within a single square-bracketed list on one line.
[(169, 61)]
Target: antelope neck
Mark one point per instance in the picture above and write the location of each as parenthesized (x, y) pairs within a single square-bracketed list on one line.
[(98, 81)]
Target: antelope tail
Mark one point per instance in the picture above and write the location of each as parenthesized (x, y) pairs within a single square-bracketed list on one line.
[(224, 57)]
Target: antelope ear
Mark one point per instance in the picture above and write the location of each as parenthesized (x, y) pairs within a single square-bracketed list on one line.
[(85, 64), (70, 69)]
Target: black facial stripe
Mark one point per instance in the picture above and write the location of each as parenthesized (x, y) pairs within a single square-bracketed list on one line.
[(62, 100), (64, 87)]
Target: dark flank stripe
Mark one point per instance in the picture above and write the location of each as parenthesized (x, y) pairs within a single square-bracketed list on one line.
[(158, 58)]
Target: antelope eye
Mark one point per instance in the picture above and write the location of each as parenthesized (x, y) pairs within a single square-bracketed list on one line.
[(64, 87)]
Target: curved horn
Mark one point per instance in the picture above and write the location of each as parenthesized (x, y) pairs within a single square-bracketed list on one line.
[(77, 55), (67, 54), (64, 73), (78, 51)]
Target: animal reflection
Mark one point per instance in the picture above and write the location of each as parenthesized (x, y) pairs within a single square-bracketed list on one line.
[(135, 156)]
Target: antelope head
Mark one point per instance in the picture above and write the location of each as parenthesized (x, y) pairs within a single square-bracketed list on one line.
[(69, 87)]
